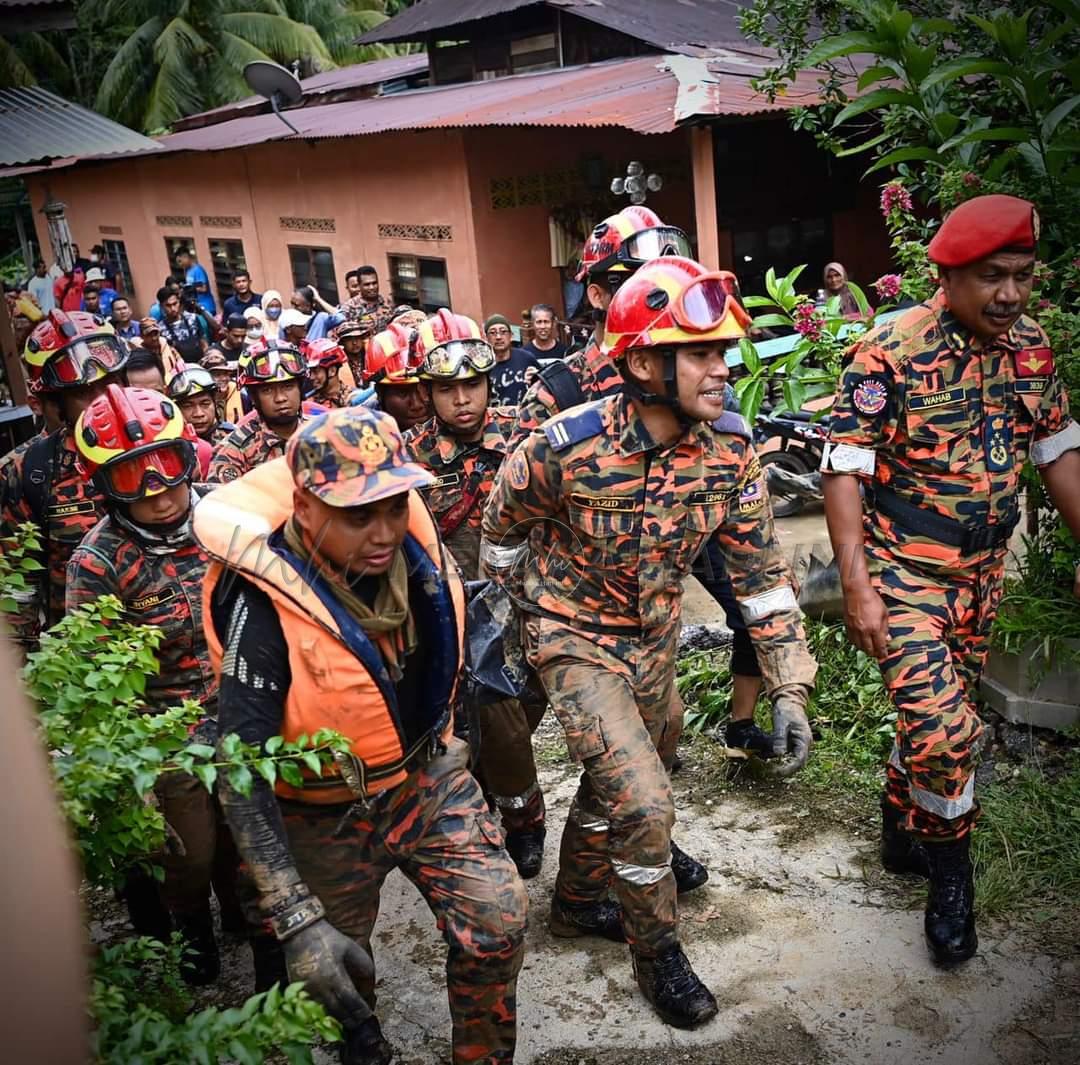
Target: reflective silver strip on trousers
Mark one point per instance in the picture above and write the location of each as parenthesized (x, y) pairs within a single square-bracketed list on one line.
[(641, 875), (771, 602), (947, 809), (517, 802), (500, 557), (1043, 452), (589, 822)]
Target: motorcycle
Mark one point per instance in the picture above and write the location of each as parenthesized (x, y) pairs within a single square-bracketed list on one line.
[(792, 466)]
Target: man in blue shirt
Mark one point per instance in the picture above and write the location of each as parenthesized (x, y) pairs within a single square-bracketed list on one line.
[(512, 363), (195, 275), (242, 296)]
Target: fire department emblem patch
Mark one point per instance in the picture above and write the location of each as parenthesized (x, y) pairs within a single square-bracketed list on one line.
[(870, 396)]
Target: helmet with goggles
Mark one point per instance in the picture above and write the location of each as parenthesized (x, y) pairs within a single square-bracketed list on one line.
[(674, 300), (132, 443), (269, 362), (189, 383), (70, 350), (451, 347), (626, 241), (324, 354), (391, 357)]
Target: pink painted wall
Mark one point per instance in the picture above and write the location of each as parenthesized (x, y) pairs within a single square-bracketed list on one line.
[(410, 177)]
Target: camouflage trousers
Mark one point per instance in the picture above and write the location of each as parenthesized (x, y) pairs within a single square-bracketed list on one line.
[(617, 703), (938, 641), (504, 763), (435, 827)]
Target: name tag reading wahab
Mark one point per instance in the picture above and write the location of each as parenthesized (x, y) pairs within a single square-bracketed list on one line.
[(951, 397), (622, 504)]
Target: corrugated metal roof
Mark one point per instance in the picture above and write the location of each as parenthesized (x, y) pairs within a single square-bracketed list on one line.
[(669, 25), (29, 3), (36, 125), (357, 76)]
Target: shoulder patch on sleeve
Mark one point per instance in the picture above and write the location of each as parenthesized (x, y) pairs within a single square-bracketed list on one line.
[(730, 422), (517, 471), (565, 430), (870, 395)]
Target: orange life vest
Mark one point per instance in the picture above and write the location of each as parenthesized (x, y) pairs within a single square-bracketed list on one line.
[(339, 680)]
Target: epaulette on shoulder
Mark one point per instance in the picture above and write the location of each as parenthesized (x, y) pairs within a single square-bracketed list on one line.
[(565, 430), (735, 424)]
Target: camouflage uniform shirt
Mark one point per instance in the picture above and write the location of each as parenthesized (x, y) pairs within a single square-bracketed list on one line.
[(597, 376), (947, 422), (72, 507), (374, 317), (249, 445), (456, 466), (624, 518), (158, 587)]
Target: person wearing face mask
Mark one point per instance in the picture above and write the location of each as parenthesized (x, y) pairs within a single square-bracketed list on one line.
[(271, 308), (273, 373), (255, 322), (133, 449)]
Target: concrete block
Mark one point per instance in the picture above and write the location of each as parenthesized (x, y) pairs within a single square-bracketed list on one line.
[(1050, 700)]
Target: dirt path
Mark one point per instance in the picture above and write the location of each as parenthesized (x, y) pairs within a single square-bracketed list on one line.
[(810, 964)]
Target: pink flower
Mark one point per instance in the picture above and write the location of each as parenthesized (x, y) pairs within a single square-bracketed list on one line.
[(888, 286), (973, 181), (809, 322), (1044, 305), (894, 197)]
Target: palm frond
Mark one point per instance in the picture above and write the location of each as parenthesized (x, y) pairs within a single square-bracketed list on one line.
[(128, 71), (14, 72), (281, 38), (178, 88)]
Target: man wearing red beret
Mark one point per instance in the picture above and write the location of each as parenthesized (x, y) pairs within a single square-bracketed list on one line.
[(937, 411)]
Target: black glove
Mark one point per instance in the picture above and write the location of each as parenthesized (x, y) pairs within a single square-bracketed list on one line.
[(329, 964), (791, 731)]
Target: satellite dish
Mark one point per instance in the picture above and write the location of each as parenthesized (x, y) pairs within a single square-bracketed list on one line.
[(276, 84)]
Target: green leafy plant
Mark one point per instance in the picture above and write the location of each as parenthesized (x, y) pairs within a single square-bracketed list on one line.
[(811, 369), (19, 556)]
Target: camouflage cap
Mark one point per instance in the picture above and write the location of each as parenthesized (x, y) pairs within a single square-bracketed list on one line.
[(352, 456)]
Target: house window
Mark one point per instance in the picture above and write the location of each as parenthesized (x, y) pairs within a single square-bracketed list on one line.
[(419, 282), (314, 266), (227, 257), (173, 246), (116, 254)]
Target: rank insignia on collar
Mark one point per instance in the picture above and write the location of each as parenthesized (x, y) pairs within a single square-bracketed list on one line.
[(1034, 362)]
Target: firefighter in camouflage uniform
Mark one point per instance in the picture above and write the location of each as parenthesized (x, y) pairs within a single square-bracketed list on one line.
[(937, 411), (626, 490), (70, 359), (326, 359), (332, 603), (132, 448), (463, 446), (273, 372), (195, 393)]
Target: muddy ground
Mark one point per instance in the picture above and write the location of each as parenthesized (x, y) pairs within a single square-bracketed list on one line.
[(813, 954)]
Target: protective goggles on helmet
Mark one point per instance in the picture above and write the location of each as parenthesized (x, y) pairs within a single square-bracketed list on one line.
[(648, 244), (189, 383), (448, 360), (147, 473), (704, 304), (272, 364), (82, 362)]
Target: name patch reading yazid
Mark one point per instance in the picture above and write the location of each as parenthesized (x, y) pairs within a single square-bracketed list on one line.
[(623, 504), (951, 397)]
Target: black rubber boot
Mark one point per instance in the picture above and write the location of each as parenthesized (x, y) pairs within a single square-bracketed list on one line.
[(950, 903), (689, 873), (269, 963), (900, 853), (603, 918), (365, 1045), (746, 735), (201, 962), (146, 911), (674, 990), (527, 850)]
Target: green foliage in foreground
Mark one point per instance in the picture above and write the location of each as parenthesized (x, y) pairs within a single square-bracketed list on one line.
[(1027, 842), (141, 1008)]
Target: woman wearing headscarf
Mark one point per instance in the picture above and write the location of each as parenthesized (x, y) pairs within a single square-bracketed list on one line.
[(272, 307), (256, 324), (836, 284)]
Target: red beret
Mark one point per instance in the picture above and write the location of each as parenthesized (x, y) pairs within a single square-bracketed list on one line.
[(982, 226)]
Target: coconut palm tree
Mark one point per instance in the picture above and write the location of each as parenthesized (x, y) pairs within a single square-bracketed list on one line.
[(180, 59), (32, 59)]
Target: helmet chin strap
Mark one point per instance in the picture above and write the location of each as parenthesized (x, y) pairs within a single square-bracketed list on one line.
[(670, 397)]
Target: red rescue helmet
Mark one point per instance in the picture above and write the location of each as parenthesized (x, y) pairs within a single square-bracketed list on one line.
[(625, 241), (674, 300), (269, 362), (133, 443), (391, 357), (69, 350), (451, 347), (324, 353)]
